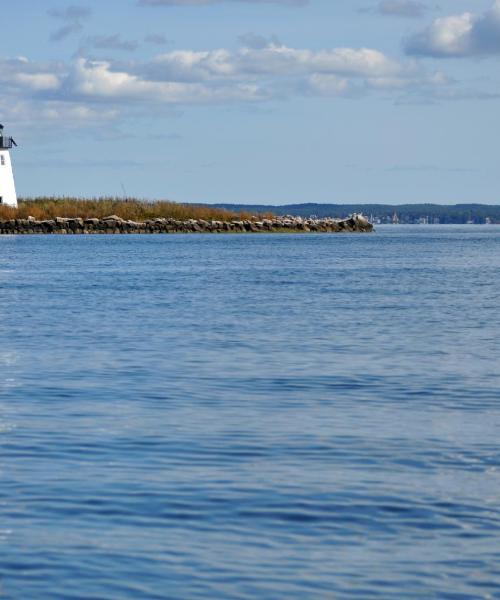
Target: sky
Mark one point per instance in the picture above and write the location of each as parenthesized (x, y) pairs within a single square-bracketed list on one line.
[(254, 101)]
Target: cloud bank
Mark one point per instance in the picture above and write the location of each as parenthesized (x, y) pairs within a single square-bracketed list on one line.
[(256, 72)]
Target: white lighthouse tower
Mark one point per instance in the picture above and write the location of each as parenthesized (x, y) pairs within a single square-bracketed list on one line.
[(7, 187)]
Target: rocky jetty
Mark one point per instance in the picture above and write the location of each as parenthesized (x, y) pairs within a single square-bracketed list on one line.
[(114, 224)]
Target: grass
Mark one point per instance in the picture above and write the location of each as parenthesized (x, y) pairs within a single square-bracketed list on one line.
[(129, 209)]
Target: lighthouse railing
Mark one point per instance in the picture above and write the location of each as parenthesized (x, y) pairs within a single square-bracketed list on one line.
[(6, 143)]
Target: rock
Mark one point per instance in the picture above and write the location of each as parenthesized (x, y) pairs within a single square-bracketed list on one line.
[(75, 223), (114, 224), (113, 218)]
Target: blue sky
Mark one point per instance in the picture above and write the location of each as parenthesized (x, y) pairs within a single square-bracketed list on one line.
[(255, 101)]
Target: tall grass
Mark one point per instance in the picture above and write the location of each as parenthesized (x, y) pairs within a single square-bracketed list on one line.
[(129, 209)]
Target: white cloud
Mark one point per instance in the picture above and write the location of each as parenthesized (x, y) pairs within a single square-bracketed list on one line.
[(347, 61), (467, 34), (97, 79), (273, 61), (37, 81), (50, 117), (328, 85), (25, 75)]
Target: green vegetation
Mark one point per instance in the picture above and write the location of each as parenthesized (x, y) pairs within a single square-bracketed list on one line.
[(128, 209)]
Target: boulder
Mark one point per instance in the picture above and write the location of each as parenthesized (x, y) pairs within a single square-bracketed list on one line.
[(113, 218)]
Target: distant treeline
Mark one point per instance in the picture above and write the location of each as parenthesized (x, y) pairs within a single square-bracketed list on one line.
[(404, 213)]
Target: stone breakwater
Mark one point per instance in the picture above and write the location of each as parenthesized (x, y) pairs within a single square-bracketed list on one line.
[(114, 224)]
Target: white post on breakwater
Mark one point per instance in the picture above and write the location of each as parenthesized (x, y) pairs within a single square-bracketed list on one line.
[(8, 194)]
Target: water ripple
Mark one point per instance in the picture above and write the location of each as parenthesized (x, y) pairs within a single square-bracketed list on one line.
[(247, 417)]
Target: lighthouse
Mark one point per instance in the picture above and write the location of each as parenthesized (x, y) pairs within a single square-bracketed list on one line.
[(8, 195)]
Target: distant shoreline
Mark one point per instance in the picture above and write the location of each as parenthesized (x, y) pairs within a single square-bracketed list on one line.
[(381, 214), (141, 210), (114, 224)]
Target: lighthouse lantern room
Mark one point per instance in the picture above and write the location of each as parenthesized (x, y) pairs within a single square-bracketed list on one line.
[(7, 187)]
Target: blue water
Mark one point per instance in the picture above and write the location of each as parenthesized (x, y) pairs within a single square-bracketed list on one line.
[(251, 416)]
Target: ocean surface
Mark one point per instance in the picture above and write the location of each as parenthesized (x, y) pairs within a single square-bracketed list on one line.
[(251, 416)]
